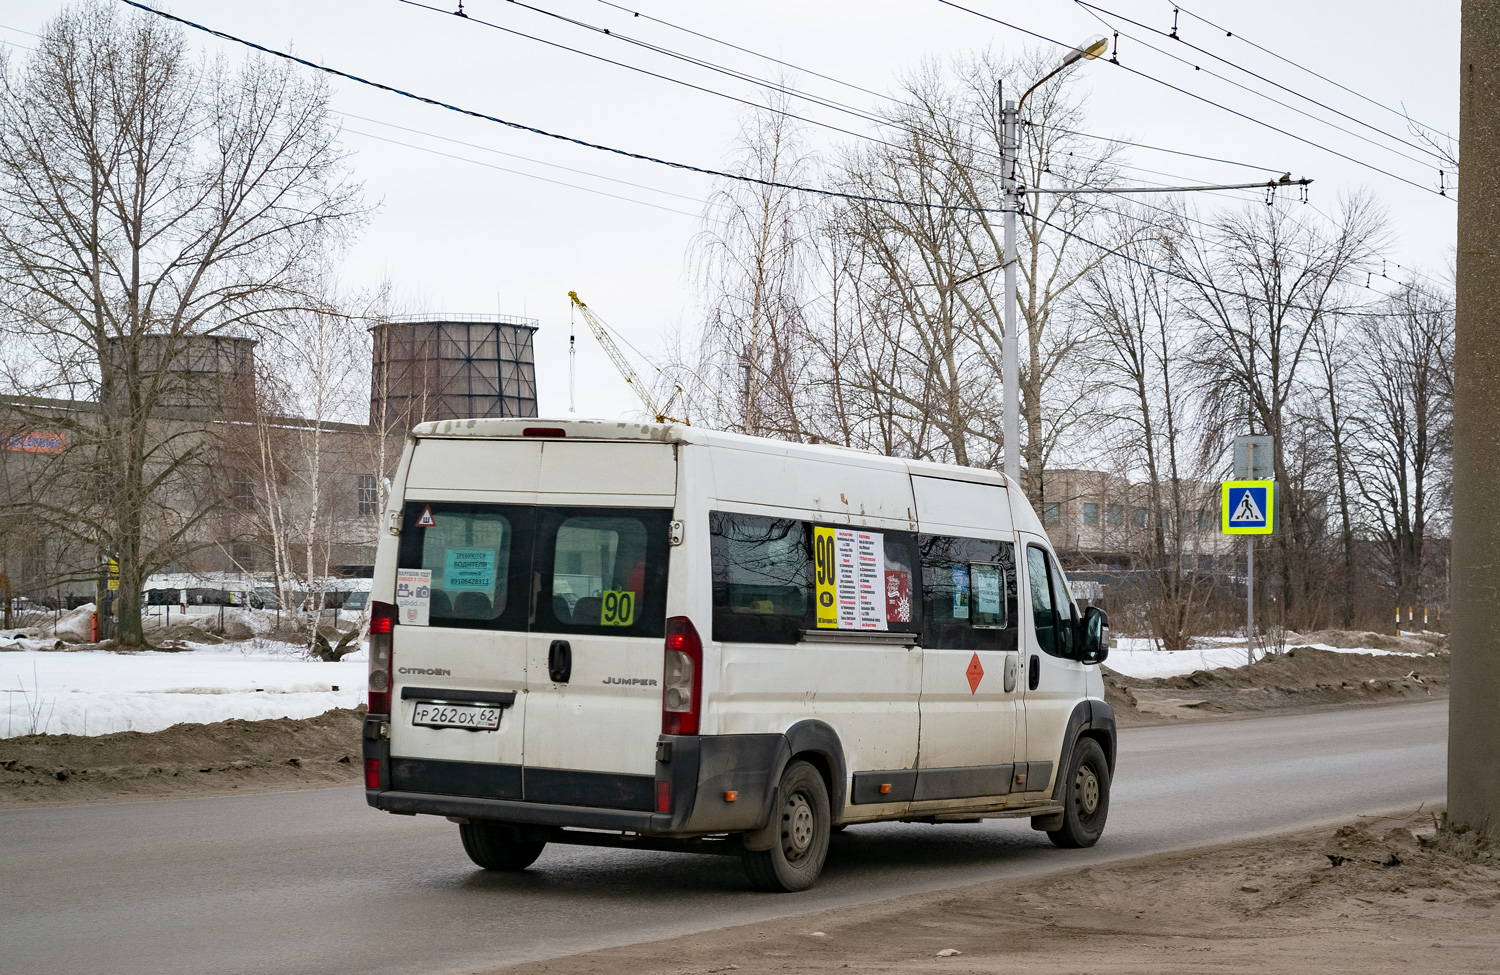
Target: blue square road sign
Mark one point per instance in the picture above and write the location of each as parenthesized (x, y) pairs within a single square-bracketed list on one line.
[(1247, 507)]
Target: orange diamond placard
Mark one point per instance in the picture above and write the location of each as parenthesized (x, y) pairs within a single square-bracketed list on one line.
[(975, 673)]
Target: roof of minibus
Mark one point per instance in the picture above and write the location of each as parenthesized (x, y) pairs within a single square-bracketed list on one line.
[(574, 429)]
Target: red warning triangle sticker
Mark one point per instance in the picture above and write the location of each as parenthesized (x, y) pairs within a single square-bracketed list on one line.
[(426, 520)]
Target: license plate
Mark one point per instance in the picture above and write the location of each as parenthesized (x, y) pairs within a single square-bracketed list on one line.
[(475, 717)]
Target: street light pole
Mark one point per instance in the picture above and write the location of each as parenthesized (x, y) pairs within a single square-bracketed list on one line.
[(1010, 352), (1010, 365)]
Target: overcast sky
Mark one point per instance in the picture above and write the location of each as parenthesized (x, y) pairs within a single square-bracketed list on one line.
[(454, 236)]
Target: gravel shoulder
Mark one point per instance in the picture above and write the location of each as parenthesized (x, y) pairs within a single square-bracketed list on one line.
[(1372, 896)]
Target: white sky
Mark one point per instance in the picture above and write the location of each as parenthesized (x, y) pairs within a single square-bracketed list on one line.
[(458, 237)]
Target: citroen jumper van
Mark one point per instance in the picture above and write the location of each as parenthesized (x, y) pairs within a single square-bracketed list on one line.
[(660, 637)]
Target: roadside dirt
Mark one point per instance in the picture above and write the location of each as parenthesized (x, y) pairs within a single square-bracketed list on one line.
[(183, 760), (257, 756), (1401, 899), (1301, 679)]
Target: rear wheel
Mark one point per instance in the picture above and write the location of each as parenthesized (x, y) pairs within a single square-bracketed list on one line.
[(1085, 797), (495, 846), (796, 858)]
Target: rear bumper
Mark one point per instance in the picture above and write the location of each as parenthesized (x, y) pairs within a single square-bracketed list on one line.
[(712, 784)]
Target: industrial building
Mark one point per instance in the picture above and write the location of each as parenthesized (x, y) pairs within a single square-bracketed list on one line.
[(248, 488)]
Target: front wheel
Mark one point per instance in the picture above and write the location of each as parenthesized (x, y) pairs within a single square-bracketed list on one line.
[(1085, 797), (495, 846), (796, 858)]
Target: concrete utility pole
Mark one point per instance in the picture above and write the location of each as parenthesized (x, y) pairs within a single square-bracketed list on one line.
[(1474, 697)]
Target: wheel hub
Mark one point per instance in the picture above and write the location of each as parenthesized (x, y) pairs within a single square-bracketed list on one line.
[(1087, 789), (797, 827)]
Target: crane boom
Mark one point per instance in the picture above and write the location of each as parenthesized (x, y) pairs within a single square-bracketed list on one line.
[(623, 365)]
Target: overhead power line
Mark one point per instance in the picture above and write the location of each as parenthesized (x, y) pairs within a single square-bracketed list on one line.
[(645, 71), (1104, 11), (522, 127), (1197, 97), (766, 83), (818, 191), (517, 172), (1265, 50), (891, 98)]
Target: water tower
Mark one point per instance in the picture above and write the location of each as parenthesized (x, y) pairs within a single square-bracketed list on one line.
[(451, 367)]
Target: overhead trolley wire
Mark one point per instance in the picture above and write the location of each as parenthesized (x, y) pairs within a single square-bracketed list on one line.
[(522, 127), (645, 71), (517, 172), (1265, 50), (511, 155), (860, 88), (1097, 10), (1115, 251), (762, 82), (1197, 97)]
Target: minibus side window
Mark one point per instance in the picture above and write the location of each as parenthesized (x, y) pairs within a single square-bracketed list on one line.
[(478, 556), (761, 578), (968, 593), (1050, 603)]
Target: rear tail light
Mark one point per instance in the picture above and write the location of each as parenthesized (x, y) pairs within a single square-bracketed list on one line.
[(663, 796), (382, 623), (682, 681), (372, 773)]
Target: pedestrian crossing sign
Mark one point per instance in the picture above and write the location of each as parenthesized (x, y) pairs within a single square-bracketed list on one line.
[(1247, 507)]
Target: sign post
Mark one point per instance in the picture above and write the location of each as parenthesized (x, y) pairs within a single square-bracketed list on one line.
[(1248, 508)]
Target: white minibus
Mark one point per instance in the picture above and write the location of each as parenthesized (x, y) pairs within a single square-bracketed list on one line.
[(659, 637)]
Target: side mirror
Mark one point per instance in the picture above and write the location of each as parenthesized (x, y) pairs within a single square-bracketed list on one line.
[(1092, 648)]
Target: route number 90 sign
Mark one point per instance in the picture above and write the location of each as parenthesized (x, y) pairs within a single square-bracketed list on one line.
[(617, 608)]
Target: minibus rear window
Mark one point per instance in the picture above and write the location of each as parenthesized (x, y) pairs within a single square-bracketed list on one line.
[(602, 570), (478, 555)]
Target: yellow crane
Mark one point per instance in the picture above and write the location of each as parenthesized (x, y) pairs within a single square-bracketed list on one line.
[(623, 365)]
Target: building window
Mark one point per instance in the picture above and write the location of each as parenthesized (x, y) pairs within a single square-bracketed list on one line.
[(241, 486), (1138, 517), (1051, 513), (1090, 513), (1205, 520), (369, 495), (1116, 515)]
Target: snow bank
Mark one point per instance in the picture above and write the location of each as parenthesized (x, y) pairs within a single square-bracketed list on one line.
[(93, 692), (1138, 656)]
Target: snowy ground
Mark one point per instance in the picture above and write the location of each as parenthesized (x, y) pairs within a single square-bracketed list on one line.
[(95, 693), (1138, 657)]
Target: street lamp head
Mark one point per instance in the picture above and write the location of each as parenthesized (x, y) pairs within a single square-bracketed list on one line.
[(1087, 51)]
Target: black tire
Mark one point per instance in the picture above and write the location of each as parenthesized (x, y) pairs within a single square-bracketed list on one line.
[(495, 846), (803, 814), (1085, 797)]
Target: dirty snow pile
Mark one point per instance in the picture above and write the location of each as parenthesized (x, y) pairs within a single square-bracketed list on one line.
[(1139, 657), (97, 692)]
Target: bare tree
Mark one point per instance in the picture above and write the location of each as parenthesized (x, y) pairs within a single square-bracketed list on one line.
[(928, 260), (752, 262), (1137, 309), (1263, 281), (1402, 391), (149, 200)]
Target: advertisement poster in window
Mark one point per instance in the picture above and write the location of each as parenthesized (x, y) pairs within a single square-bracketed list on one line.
[(852, 586)]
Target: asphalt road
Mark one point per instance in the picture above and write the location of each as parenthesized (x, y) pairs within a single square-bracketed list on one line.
[(315, 881)]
